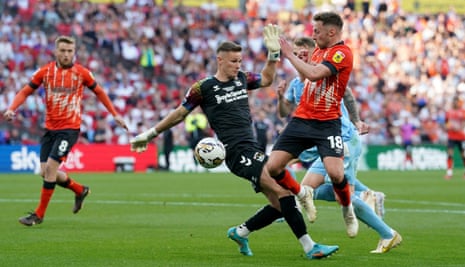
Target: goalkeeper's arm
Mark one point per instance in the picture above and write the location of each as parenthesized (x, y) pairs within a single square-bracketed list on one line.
[(268, 73), (139, 143)]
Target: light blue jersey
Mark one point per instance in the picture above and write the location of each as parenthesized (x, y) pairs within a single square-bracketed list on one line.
[(294, 91)]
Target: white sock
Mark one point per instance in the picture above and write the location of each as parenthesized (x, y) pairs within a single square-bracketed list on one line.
[(242, 230), (307, 242), (302, 192)]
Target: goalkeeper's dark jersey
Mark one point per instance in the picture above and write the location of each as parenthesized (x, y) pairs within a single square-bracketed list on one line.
[(226, 106)]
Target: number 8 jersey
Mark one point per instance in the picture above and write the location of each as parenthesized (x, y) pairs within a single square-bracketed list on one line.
[(63, 93)]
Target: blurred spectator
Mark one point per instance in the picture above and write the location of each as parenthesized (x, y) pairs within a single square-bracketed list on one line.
[(262, 127), (196, 127), (398, 56), (147, 59), (103, 133), (3, 137), (14, 137)]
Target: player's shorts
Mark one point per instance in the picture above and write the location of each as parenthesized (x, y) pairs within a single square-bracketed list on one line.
[(57, 144), (352, 152), (247, 161), (301, 134), (309, 155), (456, 143)]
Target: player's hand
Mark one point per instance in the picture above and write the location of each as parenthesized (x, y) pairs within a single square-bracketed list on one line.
[(9, 115), (362, 127), (287, 49), (120, 121), (281, 88), (140, 142), (271, 39)]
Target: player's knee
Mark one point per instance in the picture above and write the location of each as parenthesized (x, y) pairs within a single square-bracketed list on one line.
[(42, 173), (274, 169), (336, 176)]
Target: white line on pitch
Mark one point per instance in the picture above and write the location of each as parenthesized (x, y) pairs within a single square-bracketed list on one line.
[(211, 204)]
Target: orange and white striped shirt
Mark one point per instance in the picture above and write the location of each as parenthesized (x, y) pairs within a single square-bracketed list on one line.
[(64, 89), (321, 99)]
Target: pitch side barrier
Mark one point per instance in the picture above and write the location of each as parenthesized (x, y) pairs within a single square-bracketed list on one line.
[(119, 158), (390, 157), (82, 158)]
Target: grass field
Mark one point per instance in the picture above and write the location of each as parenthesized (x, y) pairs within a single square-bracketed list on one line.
[(172, 219)]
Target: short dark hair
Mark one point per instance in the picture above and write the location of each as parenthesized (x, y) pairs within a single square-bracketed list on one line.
[(228, 46), (305, 41), (329, 18)]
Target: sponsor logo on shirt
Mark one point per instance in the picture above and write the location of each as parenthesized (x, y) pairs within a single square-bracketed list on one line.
[(338, 57)]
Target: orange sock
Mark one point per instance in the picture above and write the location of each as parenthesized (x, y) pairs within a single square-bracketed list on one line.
[(72, 185), (286, 180), (75, 186), (342, 190), (45, 196), (450, 161)]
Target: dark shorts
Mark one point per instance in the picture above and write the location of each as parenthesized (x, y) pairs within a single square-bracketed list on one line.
[(456, 143), (247, 161), (57, 144), (301, 134)]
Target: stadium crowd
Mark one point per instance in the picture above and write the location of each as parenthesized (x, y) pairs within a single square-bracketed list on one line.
[(408, 67)]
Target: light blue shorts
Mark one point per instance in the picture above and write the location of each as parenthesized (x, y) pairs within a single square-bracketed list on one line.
[(352, 152)]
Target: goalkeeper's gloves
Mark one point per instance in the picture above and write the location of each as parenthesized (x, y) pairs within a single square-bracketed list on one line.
[(271, 39), (139, 143)]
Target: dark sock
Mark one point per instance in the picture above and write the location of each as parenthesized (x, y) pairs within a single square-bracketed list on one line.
[(264, 217), (293, 216)]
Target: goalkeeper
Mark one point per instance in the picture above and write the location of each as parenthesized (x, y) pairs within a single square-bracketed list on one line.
[(223, 98)]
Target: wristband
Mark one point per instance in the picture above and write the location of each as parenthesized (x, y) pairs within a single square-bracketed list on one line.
[(152, 133), (274, 55)]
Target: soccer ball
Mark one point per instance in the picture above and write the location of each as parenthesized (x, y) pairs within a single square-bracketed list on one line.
[(210, 152)]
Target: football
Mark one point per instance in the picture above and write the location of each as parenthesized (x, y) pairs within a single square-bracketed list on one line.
[(210, 152)]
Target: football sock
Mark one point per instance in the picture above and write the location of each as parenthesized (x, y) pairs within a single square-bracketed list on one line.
[(293, 216), (342, 190), (368, 216), (72, 185), (359, 186), (46, 194), (264, 217), (450, 162), (242, 230), (292, 172), (306, 242), (286, 180)]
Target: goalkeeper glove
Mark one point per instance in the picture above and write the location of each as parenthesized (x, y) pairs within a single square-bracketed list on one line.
[(271, 39), (139, 143)]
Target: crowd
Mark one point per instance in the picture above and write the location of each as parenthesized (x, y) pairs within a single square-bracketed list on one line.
[(408, 67)]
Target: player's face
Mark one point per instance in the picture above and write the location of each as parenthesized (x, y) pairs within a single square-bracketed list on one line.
[(322, 34), (303, 53), (458, 103), (64, 54), (229, 64)]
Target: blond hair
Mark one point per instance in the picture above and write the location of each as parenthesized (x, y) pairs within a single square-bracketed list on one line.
[(65, 39)]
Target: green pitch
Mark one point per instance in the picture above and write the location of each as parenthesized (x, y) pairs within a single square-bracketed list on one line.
[(171, 219)]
